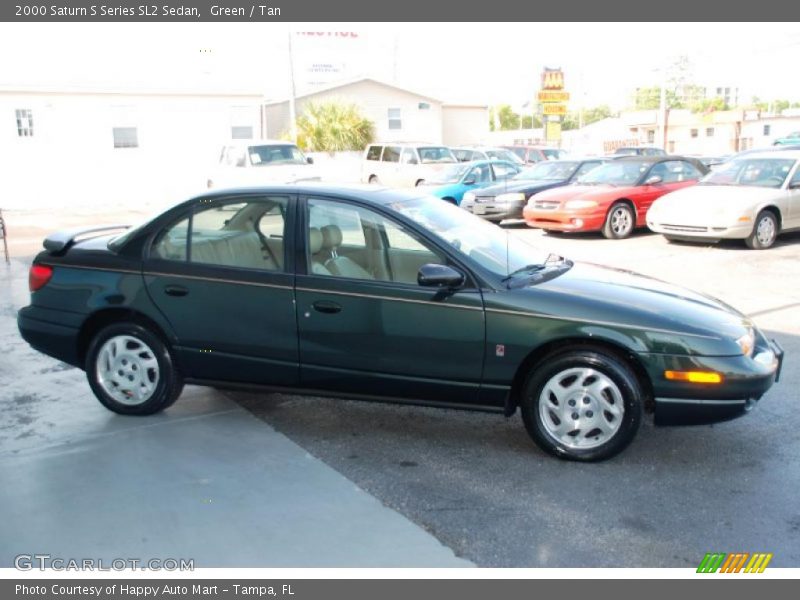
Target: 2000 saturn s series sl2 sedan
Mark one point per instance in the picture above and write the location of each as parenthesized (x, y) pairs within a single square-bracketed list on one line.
[(377, 294)]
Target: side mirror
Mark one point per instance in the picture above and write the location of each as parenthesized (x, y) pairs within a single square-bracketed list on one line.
[(653, 180), (433, 275), (309, 160), (469, 181)]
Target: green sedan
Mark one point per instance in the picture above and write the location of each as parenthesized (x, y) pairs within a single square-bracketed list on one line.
[(378, 294)]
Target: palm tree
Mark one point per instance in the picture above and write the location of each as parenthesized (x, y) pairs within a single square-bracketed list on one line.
[(333, 127)]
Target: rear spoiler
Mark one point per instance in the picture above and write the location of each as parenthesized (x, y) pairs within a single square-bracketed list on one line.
[(61, 240)]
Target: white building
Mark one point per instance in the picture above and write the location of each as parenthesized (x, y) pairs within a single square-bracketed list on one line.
[(61, 145), (398, 114)]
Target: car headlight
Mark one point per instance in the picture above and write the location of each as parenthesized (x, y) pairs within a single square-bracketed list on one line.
[(511, 197), (747, 342), (468, 197), (577, 204)]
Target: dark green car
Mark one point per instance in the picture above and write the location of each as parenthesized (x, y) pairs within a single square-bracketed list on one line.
[(386, 295)]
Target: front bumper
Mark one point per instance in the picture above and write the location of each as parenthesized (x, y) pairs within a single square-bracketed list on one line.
[(746, 380), (561, 220), (676, 230), (493, 210)]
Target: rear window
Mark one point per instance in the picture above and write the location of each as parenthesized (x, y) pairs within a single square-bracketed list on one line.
[(374, 153)]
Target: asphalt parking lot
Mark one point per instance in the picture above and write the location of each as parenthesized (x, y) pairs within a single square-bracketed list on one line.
[(474, 482)]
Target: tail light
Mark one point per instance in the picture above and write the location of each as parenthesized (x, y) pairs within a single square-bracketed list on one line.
[(38, 276)]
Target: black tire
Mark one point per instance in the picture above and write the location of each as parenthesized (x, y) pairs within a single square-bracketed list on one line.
[(755, 241), (373, 179), (611, 228), (168, 385), (613, 369), (419, 182)]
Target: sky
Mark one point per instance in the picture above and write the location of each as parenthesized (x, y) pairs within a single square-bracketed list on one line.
[(489, 63)]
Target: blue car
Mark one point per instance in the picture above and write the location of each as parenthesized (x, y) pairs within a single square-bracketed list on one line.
[(451, 183)]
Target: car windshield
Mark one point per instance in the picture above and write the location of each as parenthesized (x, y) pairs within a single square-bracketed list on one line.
[(758, 172), (452, 174), (488, 245), (553, 153), (624, 172), (548, 171), (435, 154), (520, 152), (275, 154), (506, 155)]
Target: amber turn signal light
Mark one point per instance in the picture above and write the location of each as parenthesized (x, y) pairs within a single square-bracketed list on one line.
[(694, 376)]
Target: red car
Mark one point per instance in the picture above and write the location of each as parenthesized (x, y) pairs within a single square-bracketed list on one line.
[(613, 198)]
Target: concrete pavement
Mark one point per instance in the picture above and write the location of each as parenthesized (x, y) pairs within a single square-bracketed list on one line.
[(205, 480)]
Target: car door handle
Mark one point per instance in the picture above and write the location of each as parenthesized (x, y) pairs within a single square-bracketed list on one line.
[(326, 307), (175, 290)]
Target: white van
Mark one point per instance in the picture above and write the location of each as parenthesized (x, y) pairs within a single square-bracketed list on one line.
[(403, 164), (256, 162)]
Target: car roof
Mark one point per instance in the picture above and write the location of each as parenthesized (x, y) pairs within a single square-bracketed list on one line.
[(793, 154), (367, 192), (264, 142), (653, 159)]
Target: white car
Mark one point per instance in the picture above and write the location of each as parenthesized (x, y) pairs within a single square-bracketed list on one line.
[(258, 162), (753, 198), (404, 164)]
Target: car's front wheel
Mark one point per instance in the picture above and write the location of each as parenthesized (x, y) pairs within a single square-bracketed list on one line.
[(582, 404), (765, 231), (131, 371), (620, 221)]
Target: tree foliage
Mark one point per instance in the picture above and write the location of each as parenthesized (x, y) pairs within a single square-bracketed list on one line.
[(590, 115), (333, 127), (503, 118)]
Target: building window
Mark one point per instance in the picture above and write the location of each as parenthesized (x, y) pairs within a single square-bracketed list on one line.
[(693, 133), (24, 122), (767, 129), (239, 132), (395, 120), (125, 137), (651, 136), (424, 106), (709, 132)]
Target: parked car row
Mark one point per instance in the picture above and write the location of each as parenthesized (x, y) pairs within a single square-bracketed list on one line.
[(412, 163)]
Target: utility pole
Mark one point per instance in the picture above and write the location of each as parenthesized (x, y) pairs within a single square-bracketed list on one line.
[(292, 95), (662, 109)]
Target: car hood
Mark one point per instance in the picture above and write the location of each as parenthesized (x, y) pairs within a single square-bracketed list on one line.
[(600, 296), (704, 201), (590, 192), (527, 187)]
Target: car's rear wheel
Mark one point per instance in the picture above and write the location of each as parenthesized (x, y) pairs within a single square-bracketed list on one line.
[(620, 221), (765, 231), (131, 371), (374, 180), (582, 404), (419, 182)]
